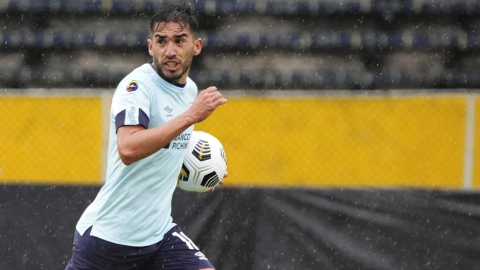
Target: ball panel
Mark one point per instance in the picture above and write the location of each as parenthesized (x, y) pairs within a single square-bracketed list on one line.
[(223, 155), (202, 150), (210, 180), (184, 173)]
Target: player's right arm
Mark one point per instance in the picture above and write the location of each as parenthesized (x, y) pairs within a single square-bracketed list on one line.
[(137, 142)]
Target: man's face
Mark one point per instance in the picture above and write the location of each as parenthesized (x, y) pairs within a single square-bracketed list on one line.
[(172, 47)]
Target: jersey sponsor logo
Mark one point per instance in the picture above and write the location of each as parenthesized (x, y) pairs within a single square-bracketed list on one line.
[(132, 86), (179, 143)]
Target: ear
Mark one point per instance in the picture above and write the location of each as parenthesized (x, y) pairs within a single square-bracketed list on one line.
[(197, 46), (150, 44)]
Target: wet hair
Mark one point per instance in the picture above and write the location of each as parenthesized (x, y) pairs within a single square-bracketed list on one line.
[(180, 13)]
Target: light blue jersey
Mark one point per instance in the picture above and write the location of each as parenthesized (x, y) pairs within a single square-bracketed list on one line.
[(133, 207)]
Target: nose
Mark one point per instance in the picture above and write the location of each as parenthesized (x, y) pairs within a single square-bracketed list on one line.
[(171, 52)]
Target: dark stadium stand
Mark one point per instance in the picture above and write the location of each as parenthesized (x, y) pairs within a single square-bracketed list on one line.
[(313, 7), (254, 44)]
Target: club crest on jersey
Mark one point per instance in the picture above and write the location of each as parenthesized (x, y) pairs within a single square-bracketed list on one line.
[(132, 86)]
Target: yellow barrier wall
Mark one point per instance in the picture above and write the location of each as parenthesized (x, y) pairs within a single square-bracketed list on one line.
[(476, 145), (407, 141), (50, 139), (346, 141)]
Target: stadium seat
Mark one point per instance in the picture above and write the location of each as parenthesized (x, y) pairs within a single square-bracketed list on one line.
[(411, 69), (12, 68), (89, 67)]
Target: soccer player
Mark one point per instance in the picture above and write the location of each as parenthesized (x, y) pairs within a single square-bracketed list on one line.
[(129, 224)]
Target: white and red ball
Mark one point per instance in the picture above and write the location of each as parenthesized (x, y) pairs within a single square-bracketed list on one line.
[(204, 164)]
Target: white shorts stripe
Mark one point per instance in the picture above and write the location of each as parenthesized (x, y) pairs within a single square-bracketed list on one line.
[(190, 240), (183, 239)]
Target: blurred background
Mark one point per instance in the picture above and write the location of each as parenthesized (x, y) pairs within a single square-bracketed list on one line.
[(254, 44), (351, 129)]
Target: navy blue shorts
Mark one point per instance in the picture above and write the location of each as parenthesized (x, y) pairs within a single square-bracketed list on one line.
[(175, 251)]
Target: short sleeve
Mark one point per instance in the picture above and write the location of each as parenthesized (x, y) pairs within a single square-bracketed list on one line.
[(131, 104)]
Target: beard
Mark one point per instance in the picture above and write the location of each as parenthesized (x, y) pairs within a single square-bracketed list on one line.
[(169, 76)]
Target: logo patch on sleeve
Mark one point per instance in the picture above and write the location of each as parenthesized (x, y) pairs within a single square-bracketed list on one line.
[(132, 86)]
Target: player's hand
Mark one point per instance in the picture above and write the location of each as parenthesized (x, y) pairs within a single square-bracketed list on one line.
[(206, 102), (221, 181)]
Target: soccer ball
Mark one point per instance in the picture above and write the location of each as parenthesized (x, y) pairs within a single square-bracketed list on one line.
[(204, 164)]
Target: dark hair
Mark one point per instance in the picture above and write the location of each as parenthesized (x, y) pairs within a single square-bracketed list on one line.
[(181, 13)]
